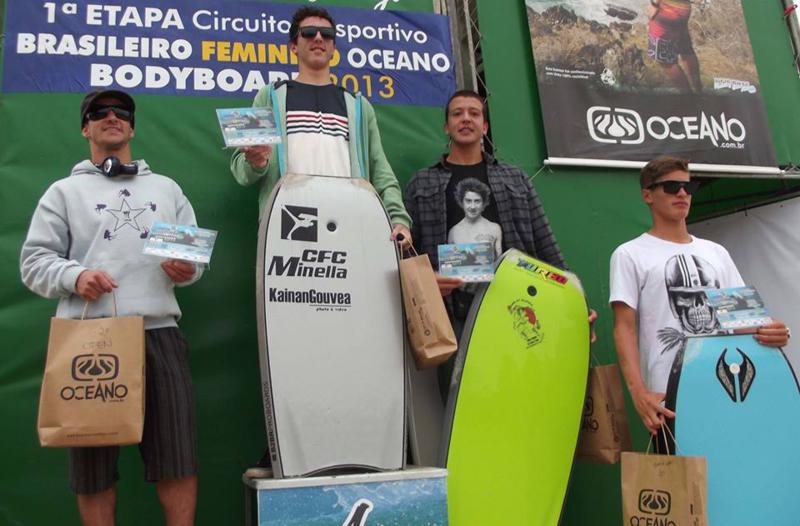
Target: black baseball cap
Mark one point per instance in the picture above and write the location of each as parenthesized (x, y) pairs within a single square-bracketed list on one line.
[(88, 104)]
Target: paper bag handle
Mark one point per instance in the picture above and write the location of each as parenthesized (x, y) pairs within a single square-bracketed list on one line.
[(664, 430), (401, 237), (113, 298), (595, 361)]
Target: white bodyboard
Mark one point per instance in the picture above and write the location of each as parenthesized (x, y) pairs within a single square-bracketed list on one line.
[(331, 333)]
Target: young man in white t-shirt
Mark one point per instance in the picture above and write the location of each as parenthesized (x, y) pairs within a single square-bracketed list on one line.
[(657, 283)]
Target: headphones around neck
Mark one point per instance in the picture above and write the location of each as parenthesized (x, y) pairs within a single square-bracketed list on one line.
[(112, 167)]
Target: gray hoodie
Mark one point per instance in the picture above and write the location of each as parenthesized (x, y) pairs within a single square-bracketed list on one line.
[(90, 221)]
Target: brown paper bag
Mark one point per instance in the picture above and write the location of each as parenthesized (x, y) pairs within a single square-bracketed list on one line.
[(429, 330), (93, 388), (604, 428), (664, 489)]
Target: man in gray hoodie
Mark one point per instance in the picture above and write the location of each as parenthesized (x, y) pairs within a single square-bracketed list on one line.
[(85, 241)]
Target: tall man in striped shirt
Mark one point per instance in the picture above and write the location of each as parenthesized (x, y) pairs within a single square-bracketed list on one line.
[(670, 44), (326, 129)]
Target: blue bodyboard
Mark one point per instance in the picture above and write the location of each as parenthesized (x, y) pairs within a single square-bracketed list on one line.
[(737, 403)]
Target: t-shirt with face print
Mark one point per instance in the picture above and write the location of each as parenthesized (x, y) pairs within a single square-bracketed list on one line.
[(455, 212)]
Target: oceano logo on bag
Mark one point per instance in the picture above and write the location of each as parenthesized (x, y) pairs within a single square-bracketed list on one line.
[(96, 373), (656, 505), (589, 422), (89, 367)]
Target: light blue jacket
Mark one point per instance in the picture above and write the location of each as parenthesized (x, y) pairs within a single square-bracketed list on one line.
[(367, 159)]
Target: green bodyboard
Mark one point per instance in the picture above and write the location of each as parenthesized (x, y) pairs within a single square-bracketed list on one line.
[(517, 395)]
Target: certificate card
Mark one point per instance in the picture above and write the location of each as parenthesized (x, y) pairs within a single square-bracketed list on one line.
[(472, 262), (187, 243), (247, 127), (738, 307)]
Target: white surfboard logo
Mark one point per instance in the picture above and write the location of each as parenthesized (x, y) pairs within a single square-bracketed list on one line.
[(299, 223)]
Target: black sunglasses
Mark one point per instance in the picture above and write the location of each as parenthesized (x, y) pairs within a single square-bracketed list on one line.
[(102, 113), (311, 31), (673, 187)]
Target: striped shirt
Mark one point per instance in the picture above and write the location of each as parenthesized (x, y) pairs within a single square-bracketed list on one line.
[(317, 131)]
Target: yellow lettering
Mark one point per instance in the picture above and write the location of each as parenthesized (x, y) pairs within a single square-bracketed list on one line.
[(388, 87), (351, 78), (368, 81), (243, 52), (336, 58), (279, 54), (208, 48), (224, 51)]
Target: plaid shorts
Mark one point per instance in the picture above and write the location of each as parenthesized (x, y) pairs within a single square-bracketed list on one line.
[(169, 441)]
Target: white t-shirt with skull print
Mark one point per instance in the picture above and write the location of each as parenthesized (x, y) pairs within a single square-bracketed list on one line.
[(663, 282)]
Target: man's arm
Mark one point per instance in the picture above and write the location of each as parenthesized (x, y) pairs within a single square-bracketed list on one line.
[(411, 209), (92, 284), (44, 266), (250, 164), (547, 248), (380, 172), (648, 404)]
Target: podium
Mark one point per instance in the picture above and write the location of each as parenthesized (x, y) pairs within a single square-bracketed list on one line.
[(416, 496)]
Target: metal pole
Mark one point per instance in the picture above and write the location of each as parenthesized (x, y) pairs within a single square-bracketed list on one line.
[(721, 170), (792, 15)]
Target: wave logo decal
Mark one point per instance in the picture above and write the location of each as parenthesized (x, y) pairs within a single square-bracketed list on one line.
[(731, 375)]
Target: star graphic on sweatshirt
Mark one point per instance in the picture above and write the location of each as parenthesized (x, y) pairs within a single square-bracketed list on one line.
[(125, 215)]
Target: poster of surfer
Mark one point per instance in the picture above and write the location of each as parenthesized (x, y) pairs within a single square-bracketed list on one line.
[(631, 79)]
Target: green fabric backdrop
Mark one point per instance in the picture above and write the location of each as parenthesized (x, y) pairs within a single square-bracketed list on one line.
[(592, 211), (40, 141)]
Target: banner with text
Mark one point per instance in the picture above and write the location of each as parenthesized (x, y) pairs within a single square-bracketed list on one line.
[(634, 79), (218, 48)]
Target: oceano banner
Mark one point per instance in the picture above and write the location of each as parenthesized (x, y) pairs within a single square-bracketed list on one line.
[(218, 48), (633, 79)]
